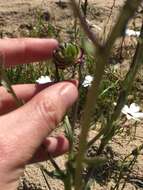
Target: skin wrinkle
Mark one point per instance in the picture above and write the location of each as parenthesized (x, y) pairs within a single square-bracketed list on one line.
[(49, 106), (49, 112)]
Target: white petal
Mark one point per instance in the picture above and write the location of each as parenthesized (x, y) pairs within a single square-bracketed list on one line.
[(138, 115), (87, 81), (134, 108), (89, 78), (125, 109), (86, 84), (43, 79), (129, 117), (129, 32)]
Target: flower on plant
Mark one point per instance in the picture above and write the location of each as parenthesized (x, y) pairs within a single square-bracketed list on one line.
[(134, 33), (132, 112), (43, 80), (87, 81)]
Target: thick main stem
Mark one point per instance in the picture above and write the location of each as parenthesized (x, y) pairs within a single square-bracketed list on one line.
[(101, 56)]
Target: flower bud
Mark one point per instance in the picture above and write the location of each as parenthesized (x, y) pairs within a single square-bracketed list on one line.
[(68, 54)]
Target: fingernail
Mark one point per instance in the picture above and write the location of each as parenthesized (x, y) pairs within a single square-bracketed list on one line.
[(75, 82), (69, 93)]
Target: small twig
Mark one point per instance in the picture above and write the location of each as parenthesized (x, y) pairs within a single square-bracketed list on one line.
[(84, 24), (109, 17), (55, 164), (45, 178)]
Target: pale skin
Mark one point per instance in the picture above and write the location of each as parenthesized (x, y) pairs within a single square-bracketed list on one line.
[(24, 132)]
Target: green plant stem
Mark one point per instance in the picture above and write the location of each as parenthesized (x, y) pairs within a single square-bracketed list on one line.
[(76, 105), (68, 181), (85, 5), (94, 139), (109, 17), (121, 172), (110, 129), (6, 83), (101, 56), (57, 73)]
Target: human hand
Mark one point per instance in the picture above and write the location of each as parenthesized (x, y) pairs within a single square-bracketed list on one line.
[(24, 131)]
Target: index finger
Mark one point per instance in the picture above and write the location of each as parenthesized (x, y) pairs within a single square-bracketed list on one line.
[(26, 50)]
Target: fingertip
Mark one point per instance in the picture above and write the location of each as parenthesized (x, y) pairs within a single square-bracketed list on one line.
[(53, 41), (56, 145), (75, 82)]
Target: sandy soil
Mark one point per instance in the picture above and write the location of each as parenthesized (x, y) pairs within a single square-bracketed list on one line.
[(18, 13)]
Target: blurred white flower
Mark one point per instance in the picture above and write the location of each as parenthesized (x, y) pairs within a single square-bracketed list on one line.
[(132, 112), (134, 33), (87, 81), (43, 80), (91, 25)]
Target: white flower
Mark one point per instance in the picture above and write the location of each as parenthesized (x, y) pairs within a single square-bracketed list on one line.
[(129, 32), (43, 80), (87, 81), (132, 112)]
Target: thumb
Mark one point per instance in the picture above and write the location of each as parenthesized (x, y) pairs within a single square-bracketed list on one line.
[(31, 123)]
